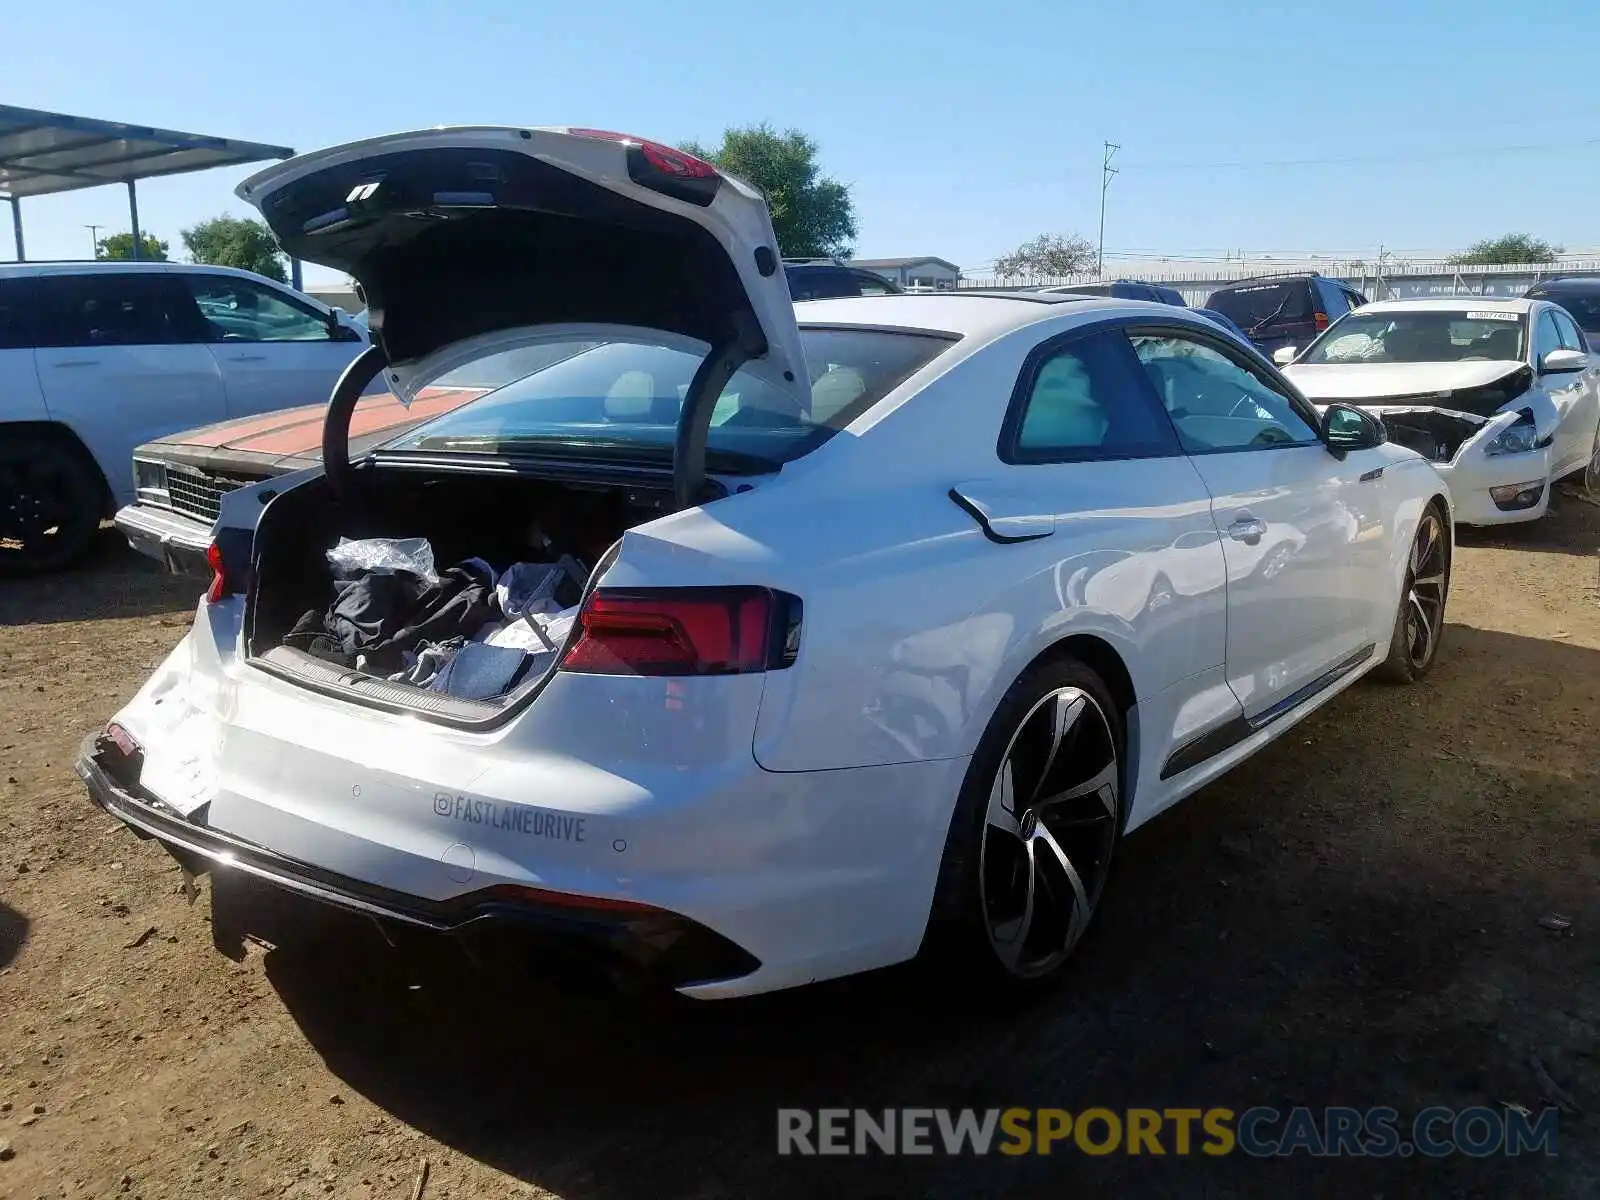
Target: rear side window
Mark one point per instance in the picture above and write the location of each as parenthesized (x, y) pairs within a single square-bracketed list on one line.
[(868, 284), (1081, 400), (1257, 307), (1335, 302), (17, 304), (237, 310), (820, 283), (114, 308)]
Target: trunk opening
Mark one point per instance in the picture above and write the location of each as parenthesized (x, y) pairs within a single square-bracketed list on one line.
[(494, 513)]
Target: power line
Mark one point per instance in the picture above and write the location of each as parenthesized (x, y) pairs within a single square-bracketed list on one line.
[(1358, 159)]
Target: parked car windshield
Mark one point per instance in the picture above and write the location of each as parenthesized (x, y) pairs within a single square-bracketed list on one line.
[(625, 392), (1419, 337), (1258, 305)]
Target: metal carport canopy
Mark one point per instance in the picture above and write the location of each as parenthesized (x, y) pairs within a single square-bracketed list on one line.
[(42, 153)]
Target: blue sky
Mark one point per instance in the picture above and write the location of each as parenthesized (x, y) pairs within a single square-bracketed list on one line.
[(962, 129)]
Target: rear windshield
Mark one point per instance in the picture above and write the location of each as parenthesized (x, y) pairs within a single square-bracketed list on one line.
[(624, 393), (1416, 337), (1260, 306)]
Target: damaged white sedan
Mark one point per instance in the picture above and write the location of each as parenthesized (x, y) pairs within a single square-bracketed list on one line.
[(1502, 396), (744, 643)]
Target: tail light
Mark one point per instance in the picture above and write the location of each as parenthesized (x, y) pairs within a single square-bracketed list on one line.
[(228, 556), (684, 631), (663, 168), (1321, 319)]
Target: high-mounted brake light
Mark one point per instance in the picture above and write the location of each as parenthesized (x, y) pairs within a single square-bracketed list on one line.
[(666, 159), (661, 168), (684, 631)]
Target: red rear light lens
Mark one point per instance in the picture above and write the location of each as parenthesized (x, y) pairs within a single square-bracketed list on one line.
[(219, 574), (666, 159), (681, 631), (1322, 321)]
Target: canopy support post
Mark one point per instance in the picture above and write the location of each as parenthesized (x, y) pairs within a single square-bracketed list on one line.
[(16, 227), (133, 219)]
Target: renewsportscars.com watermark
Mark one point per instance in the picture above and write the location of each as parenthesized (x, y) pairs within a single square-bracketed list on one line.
[(1260, 1132)]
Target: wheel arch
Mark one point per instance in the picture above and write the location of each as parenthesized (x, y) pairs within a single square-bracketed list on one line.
[(56, 433), (1106, 661)]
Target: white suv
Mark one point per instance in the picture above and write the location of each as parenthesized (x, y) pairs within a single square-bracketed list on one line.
[(96, 358)]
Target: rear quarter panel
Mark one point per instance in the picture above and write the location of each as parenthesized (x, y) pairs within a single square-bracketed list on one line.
[(915, 624)]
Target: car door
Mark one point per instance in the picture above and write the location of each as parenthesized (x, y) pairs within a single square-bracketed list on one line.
[(275, 350), (1578, 424), (1091, 457), (1300, 527), (121, 362)]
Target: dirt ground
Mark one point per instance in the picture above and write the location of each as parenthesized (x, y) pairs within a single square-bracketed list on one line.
[(1352, 918)]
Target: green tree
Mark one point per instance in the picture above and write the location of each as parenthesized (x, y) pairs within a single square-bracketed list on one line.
[(1512, 248), (235, 242), (812, 214), (1049, 255), (119, 248)]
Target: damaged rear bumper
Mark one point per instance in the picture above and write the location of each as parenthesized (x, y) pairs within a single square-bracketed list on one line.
[(634, 943)]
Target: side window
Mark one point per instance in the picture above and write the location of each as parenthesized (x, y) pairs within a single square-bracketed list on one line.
[(1567, 330), (1216, 403), (16, 314), (236, 310), (870, 285), (110, 308), (1333, 299), (1083, 401), (1545, 337), (1356, 299)]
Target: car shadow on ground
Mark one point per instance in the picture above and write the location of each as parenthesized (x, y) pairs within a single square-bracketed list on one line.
[(13, 934), (1350, 918), (113, 580)]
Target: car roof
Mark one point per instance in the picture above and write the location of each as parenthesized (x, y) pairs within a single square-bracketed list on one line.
[(1568, 283), (84, 267), (1452, 304), (969, 311)]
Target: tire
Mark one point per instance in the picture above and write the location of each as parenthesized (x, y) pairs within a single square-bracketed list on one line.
[(1419, 622), (51, 502), (1058, 733)]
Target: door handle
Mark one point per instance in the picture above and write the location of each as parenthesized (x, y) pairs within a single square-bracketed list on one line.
[(1247, 530)]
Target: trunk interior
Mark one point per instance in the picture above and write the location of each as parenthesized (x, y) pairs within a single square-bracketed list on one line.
[(499, 516)]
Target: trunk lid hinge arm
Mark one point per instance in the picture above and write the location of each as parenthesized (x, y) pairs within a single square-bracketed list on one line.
[(365, 367), (694, 421)]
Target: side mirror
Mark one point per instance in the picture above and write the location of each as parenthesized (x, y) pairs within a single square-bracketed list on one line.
[(1284, 355), (1563, 362), (1346, 427)]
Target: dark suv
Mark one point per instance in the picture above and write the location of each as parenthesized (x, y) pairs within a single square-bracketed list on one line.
[(828, 278), (1579, 295), (1125, 289), (1284, 310)]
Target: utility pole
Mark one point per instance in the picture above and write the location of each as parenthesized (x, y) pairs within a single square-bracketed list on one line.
[(1106, 172), (94, 240)]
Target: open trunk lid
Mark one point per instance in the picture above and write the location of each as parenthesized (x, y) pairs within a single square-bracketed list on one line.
[(473, 240)]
